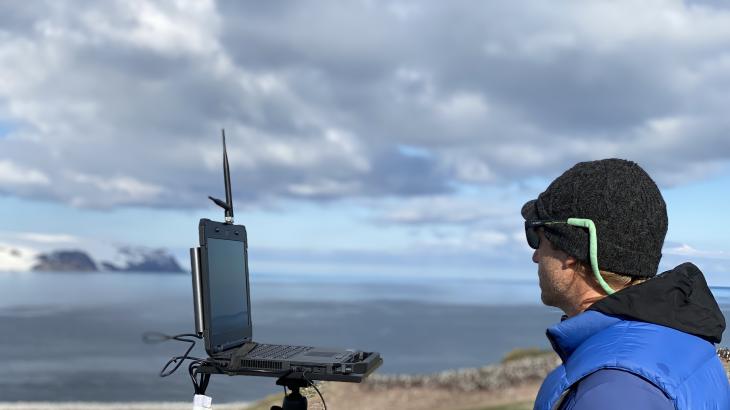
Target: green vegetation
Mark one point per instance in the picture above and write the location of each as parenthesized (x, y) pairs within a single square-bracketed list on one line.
[(267, 402), (522, 353)]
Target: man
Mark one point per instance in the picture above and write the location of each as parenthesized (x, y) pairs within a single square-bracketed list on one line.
[(631, 339)]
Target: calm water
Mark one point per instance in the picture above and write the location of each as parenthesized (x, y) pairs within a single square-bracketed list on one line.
[(78, 336)]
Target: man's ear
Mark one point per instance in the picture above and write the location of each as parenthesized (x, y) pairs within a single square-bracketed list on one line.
[(570, 262)]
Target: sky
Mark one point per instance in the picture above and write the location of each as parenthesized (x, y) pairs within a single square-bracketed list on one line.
[(364, 137)]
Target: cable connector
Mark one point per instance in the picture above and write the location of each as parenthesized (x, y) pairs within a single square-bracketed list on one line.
[(202, 402)]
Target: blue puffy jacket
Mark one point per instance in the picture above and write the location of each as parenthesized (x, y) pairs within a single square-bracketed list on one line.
[(650, 346)]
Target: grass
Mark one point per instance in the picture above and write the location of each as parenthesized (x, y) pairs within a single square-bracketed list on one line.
[(522, 353), (275, 399), (267, 402)]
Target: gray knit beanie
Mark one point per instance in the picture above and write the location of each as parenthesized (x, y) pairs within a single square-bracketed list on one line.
[(623, 202)]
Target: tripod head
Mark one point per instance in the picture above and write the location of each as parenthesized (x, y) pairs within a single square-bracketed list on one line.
[(293, 400)]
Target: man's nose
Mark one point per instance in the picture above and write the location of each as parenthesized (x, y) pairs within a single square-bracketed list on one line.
[(534, 256)]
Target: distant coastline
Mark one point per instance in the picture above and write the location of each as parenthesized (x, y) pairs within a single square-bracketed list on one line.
[(126, 259)]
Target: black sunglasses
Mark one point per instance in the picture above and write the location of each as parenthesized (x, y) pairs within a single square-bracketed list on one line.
[(533, 238)]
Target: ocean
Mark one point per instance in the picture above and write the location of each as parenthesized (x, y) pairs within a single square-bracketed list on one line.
[(78, 336)]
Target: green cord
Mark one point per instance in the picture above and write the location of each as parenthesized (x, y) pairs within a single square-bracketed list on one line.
[(593, 248)]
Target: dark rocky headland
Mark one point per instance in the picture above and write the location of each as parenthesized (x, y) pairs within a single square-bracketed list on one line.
[(132, 260)]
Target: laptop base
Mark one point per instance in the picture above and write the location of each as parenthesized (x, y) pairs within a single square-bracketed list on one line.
[(355, 372), (293, 379)]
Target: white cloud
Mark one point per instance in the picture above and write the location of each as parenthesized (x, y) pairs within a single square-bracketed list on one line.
[(472, 170), (487, 238), (467, 243), (685, 250), (323, 188), (48, 238), (714, 264), (12, 174), (444, 210), (120, 102), (177, 27), (463, 107), (127, 187), (15, 258), (40, 241)]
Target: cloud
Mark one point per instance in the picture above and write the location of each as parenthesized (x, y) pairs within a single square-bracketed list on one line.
[(16, 258), (41, 241), (474, 240), (685, 250), (14, 175), (435, 259), (714, 264), (47, 238), (119, 103), (436, 210), (115, 190)]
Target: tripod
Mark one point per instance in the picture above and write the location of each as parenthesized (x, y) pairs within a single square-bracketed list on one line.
[(293, 400)]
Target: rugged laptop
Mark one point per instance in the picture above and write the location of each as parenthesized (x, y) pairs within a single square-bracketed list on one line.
[(223, 302)]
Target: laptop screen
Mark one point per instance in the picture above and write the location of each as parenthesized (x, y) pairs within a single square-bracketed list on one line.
[(228, 292)]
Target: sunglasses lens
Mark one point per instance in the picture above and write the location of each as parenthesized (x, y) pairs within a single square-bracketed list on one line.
[(533, 239)]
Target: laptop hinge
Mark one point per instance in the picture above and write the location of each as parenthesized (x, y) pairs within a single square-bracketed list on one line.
[(245, 349)]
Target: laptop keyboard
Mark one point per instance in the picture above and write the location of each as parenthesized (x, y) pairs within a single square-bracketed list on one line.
[(277, 352)]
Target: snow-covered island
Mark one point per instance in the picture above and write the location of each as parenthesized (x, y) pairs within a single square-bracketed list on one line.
[(125, 259)]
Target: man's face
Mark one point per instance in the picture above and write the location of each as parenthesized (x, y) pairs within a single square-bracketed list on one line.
[(557, 279)]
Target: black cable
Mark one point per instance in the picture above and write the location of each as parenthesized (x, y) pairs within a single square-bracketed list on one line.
[(157, 337), (202, 385), (311, 383), (199, 385), (193, 368)]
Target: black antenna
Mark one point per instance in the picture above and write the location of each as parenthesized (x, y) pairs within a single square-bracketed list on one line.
[(228, 205)]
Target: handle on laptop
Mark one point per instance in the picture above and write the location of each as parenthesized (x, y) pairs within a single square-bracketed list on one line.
[(365, 364), (197, 289)]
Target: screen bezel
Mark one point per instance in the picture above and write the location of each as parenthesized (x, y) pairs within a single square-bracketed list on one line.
[(215, 230)]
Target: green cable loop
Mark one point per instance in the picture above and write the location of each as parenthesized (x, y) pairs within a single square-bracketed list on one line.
[(593, 249)]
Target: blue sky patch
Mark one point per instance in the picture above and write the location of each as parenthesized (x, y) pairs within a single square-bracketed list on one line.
[(413, 151), (5, 129)]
